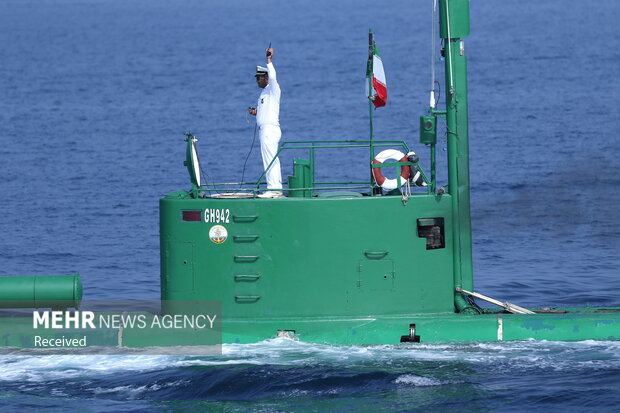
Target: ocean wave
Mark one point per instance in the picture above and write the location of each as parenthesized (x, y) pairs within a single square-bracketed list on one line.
[(523, 356)]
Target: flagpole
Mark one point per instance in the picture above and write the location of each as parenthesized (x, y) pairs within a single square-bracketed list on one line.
[(369, 68)]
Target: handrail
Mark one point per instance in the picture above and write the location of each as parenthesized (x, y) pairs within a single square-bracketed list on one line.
[(312, 146)]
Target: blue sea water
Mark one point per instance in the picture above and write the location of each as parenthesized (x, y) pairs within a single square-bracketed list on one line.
[(95, 97)]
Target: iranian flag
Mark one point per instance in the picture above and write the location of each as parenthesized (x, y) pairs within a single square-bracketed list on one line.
[(375, 75)]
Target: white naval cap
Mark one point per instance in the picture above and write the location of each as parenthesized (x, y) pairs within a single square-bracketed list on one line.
[(261, 71)]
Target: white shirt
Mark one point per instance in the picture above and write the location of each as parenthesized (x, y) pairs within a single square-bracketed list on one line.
[(268, 107)]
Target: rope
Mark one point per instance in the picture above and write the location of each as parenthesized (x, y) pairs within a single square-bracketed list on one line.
[(406, 193)]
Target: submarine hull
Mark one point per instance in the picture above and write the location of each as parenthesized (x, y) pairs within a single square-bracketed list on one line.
[(342, 270)]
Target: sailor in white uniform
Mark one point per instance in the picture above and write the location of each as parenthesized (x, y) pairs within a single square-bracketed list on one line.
[(267, 114)]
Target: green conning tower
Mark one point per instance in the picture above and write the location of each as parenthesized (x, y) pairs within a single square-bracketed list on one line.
[(344, 261)]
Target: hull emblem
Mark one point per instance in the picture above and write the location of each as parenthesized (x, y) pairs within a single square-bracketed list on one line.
[(218, 234)]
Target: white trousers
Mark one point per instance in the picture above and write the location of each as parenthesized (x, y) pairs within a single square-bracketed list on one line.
[(269, 136)]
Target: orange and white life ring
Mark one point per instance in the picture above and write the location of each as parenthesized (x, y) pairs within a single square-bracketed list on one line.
[(405, 170)]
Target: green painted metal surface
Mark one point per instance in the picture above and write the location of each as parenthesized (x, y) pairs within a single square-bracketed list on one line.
[(428, 130), (40, 291), (300, 257), (301, 179), (457, 25), (458, 134)]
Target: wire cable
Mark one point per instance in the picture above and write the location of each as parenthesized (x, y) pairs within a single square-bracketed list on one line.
[(203, 173), (248, 156), (433, 100), (449, 49)]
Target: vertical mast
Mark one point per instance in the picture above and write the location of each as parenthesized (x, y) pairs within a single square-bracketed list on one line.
[(454, 25), (369, 69)]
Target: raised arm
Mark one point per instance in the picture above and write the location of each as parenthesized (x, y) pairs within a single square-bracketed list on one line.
[(271, 70)]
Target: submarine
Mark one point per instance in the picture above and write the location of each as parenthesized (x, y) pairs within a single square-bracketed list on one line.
[(312, 265)]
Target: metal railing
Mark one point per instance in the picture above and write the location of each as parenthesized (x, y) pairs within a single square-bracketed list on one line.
[(253, 188)]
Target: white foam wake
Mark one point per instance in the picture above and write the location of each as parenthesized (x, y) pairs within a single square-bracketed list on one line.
[(523, 355)]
